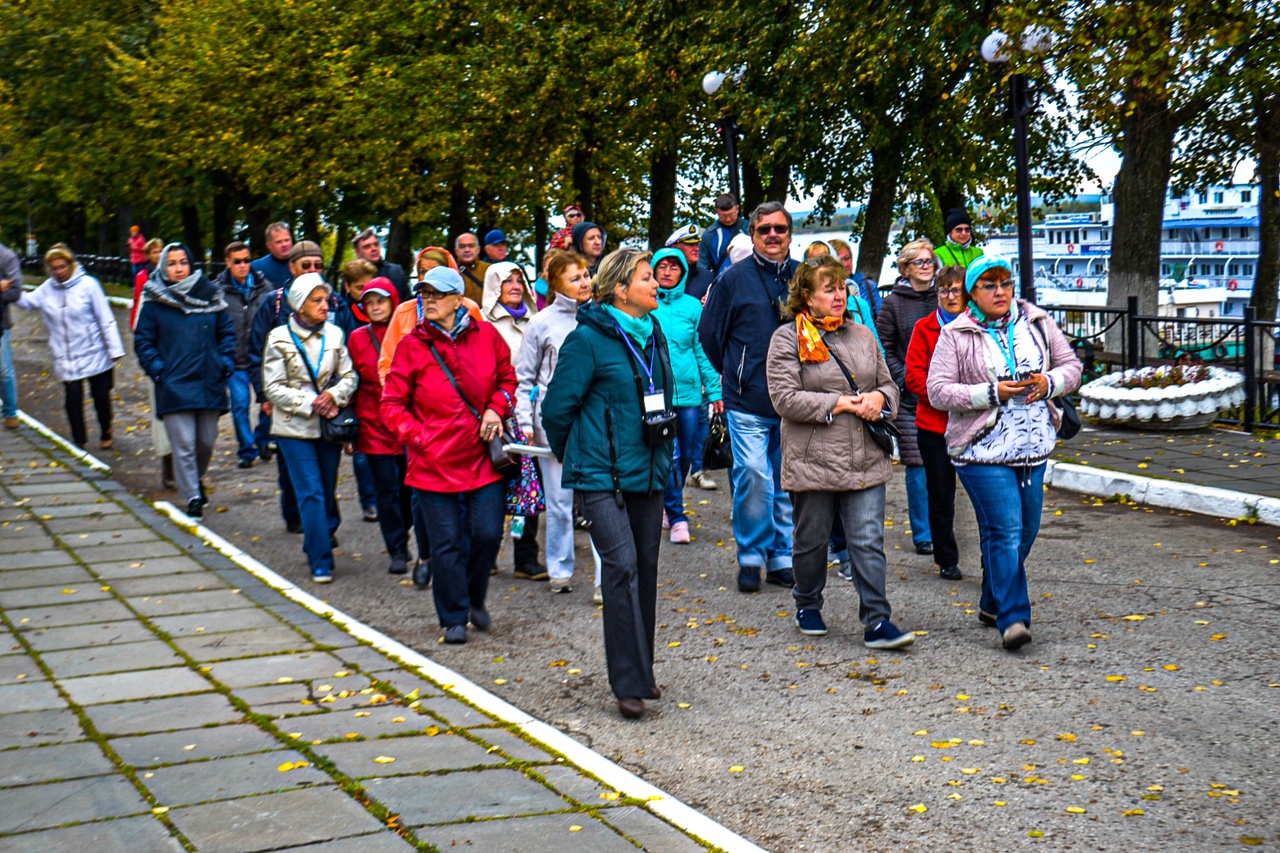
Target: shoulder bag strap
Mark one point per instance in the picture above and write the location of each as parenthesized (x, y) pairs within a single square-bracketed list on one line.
[(847, 375), (306, 362), (454, 382)]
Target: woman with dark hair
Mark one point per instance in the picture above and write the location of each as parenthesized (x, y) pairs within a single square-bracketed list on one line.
[(186, 343), (83, 338), (829, 381), (608, 419)]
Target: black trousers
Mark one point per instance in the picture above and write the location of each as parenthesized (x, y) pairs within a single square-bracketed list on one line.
[(940, 481), (525, 547), (628, 538), (100, 387)]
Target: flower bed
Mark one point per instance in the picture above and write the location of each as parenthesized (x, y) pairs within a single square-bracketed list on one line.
[(1180, 397)]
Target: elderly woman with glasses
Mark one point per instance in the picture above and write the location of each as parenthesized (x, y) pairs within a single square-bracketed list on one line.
[(996, 370), (913, 297)]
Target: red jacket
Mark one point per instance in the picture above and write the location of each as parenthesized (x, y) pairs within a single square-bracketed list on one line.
[(365, 346), (425, 413), (924, 339)]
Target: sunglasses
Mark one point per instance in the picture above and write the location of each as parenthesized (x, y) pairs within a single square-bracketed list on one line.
[(310, 266), (238, 261), (772, 229), (962, 228), (993, 286)]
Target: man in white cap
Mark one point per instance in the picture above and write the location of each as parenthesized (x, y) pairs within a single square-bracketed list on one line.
[(688, 240)]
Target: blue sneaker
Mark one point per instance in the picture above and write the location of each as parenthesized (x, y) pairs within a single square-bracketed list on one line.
[(886, 636), (322, 576), (749, 578), (810, 622), (780, 577)]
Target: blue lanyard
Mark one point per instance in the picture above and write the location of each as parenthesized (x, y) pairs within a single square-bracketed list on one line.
[(648, 370), (315, 370), (1006, 349), (420, 311)]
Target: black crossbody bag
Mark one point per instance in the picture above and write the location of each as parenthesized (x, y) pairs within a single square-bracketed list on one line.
[(882, 432), (343, 427)]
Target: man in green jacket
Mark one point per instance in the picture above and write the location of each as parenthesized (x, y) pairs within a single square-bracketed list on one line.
[(959, 250)]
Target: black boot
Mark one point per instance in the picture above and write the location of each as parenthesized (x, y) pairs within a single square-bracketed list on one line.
[(166, 471), (422, 574), (195, 509)]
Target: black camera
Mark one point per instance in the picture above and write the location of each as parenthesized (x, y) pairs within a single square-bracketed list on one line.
[(659, 428)]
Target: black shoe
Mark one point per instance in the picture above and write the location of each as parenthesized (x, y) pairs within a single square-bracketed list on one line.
[(399, 565), (370, 513), (481, 619), (267, 451), (781, 577), (749, 578), (333, 540), (536, 572), (986, 619), (204, 494), (950, 573), (245, 463), (581, 523), (455, 635), (166, 471), (195, 509), (422, 574), (293, 526), (924, 547)]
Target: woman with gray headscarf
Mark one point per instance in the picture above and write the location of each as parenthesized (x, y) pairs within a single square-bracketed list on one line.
[(186, 342)]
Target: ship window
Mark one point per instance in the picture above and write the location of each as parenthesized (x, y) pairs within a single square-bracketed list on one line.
[(1068, 268), (1203, 198), (1217, 198), (1244, 233), (1248, 269), (1106, 235), (1218, 269), (1246, 196), (1233, 269), (1226, 233), (1164, 269)]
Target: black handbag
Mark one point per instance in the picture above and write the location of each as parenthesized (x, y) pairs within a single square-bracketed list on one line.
[(717, 451), (503, 462), (882, 432), (1068, 418), (343, 427)]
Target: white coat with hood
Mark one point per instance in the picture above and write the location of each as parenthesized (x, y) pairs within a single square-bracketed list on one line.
[(493, 311), (536, 363), (83, 335)]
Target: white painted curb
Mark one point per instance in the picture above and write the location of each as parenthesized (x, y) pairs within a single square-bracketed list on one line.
[(81, 455), (618, 778), (1221, 503)]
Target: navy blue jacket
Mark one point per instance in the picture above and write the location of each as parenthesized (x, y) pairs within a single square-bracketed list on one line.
[(699, 281), (274, 271), (395, 273), (738, 322), (189, 357)]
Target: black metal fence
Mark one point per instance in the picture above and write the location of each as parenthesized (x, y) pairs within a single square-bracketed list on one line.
[(1110, 339), (111, 270)]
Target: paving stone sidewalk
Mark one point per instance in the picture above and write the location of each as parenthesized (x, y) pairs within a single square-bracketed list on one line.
[(1218, 458), (154, 696)]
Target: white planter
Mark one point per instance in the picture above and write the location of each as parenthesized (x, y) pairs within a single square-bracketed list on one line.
[(1190, 406)]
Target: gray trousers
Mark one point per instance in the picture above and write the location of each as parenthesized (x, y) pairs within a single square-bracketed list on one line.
[(628, 538), (862, 512), (191, 435)]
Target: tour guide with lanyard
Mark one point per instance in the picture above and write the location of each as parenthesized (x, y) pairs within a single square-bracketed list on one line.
[(658, 422)]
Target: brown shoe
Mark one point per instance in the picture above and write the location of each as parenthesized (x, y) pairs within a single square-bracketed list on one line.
[(107, 442), (632, 709), (657, 693), (10, 423), (1016, 636)]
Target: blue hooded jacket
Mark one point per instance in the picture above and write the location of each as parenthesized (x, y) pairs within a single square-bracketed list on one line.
[(679, 313)]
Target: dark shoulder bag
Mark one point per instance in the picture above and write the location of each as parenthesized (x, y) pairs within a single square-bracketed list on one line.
[(882, 432), (503, 462), (1068, 417), (343, 427)]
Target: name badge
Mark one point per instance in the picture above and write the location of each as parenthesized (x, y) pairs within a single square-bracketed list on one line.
[(1018, 401), (654, 403)]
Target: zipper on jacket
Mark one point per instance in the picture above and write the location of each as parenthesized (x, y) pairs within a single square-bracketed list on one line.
[(613, 459), (742, 363)]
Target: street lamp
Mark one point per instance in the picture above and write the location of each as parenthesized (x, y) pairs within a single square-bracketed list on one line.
[(727, 125), (1021, 105)]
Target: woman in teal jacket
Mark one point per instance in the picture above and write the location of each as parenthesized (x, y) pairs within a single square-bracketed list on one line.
[(678, 314), (612, 369)]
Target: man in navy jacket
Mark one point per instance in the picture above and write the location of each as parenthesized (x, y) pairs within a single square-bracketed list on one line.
[(744, 307)]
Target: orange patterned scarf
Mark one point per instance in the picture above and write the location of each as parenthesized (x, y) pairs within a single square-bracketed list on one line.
[(812, 349)]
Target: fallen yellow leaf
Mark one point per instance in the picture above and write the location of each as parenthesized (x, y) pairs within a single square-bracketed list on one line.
[(917, 758), (575, 828), (918, 808), (737, 768), (1135, 617), (1068, 737), (1075, 810), (1116, 678), (383, 759), (160, 810), (1133, 812)]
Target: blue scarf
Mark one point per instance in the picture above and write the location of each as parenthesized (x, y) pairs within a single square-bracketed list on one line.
[(639, 329), (461, 321), (945, 316)]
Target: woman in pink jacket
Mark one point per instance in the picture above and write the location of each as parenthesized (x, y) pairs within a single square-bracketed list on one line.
[(996, 370)]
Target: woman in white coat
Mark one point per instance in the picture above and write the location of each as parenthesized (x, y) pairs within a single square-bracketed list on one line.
[(568, 286), (83, 337)]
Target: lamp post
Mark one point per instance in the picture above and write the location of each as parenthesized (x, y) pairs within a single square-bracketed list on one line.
[(727, 125), (1021, 105)]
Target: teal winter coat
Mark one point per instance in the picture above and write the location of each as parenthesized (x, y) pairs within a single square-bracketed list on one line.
[(593, 410), (679, 315)]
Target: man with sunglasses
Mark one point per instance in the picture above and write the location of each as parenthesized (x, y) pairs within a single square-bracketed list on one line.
[(243, 292), (744, 307), (273, 311), (959, 250)]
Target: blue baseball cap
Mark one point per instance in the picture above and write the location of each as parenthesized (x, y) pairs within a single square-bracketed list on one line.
[(981, 265), (442, 280), (494, 237)]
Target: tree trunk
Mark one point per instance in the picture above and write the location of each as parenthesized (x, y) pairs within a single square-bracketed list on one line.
[(459, 212), (258, 215), (886, 170), (124, 218), (541, 234), (335, 263), (752, 186), (311, 223), (1147, 137), (949, 195), (779, 181), (76, 225), (192, 235), (583, 180), (223, 214), (400, 242), (1267, 154), (662, 196)]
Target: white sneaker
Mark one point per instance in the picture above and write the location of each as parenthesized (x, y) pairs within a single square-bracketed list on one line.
[(702, 481), (598, 598), (557, 585)]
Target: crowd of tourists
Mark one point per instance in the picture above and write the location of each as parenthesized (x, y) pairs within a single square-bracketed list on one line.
[(468, 392)]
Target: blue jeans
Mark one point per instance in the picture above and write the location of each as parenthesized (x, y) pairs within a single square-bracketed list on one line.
[(241, 397), (262, 433), (686, 450), (365, 484), (8, 377), (313, 469), (700, 435), (918, 504), (761, 509), (1007, 502), (466, 533)]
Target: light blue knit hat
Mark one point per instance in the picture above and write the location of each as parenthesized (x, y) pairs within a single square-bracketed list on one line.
[(982, 265)]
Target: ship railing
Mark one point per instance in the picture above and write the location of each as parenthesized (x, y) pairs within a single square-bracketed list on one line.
[(1207, 248)]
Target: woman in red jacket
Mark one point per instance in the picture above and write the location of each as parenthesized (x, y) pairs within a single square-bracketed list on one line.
[(444, 374), (931, 424)]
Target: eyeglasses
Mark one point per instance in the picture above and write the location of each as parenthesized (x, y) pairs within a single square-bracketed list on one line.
[(962, 228), (772, 229), (574, 215), (431, 295), (993, 286), (238, 261), (310, 266), (950, 292), (923, 263)]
